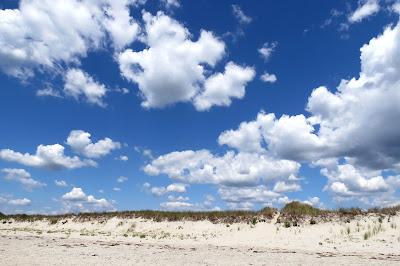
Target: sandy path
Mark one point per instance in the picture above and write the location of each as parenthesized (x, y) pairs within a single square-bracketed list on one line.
[(17, 249)]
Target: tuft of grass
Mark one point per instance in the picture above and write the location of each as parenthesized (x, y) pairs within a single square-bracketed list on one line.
[(286, 224)]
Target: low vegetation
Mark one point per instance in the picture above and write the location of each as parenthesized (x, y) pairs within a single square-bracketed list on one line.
[(293, 214), (158, 216)]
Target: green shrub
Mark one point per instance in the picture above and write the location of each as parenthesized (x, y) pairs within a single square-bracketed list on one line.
[(296, 209), (287, 224)]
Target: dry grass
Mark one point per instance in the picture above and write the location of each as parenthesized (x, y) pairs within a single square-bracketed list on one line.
[(292, 214), (158, 216)]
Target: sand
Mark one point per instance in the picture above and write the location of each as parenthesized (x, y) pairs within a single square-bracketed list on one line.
[(143, 242)]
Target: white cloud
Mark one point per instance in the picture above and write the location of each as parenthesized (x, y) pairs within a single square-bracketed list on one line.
[(230, 169), (20, 202), (48, 92), (270, 78), (160, 191), (171, 3), (123, 158), (76, 194), (121, 179), (174, 68), (117, 189), (46, 34), (240, 15), (365, 9), (177, 198), (346, 180), (122, 90), (267, 49), (60, 183), (76, 199), (81, 142), (396, 7), (23, 177), (256, 194), (169, 45), (245, 206), (314, 201), (176, 205), (79, 84), (220, 88), (282, 186), (47, 156)]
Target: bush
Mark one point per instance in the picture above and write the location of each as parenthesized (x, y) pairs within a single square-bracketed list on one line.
[(297, 209), (287, 224)]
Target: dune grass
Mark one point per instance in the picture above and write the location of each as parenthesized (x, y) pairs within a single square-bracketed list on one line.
[(158, 216), (291, 214)]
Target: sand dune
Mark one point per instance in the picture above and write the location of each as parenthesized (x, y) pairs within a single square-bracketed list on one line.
[(366, 239)]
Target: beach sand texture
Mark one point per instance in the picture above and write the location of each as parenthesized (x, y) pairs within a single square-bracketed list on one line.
[(365, 240)]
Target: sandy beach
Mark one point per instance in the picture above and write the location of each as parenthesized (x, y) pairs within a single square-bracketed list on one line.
[(365, 240)]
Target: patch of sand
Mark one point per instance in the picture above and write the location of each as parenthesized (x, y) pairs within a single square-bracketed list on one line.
[(365, 240)]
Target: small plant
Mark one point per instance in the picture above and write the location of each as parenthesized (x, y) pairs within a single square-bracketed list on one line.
[(367, 235), (53, 221), (348, 230), (312, 221), (380, 219), (287, 224), (254, 221)]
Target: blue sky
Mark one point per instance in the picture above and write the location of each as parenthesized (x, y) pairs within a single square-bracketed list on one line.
[(199, 105)]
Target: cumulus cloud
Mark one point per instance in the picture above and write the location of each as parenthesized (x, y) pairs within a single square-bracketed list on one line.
[(282, 186), (268, 78), (346, 180), (173, 67), (220, 88), (230, 169), (267, 49), (23, 177), (20, 202), (160, 191), (78, 84), (256, 194), (77, 200), (365, 9), (46, 34), (46, 156), (81, 143), (169, 45)]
